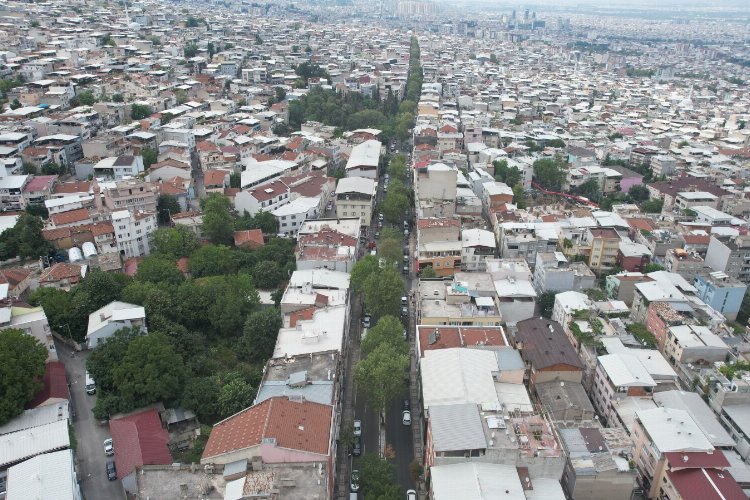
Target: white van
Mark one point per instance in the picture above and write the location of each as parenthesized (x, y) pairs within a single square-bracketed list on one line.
[(90, 384)]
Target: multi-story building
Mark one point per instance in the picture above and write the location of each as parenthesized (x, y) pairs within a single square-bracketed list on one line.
[(688, 199), (686, 264), (364, 160), (553, 273), (547, 352), (720, 291), (604, 243), (694, 344), (439, 245), (617, 377), (125, 194), (118, 167), (526, 240), (132, 231), (633, 257), (11, 191), (658, 432), (452, 304), (355, 197), (266, 197), (477, 246), (730, 255)]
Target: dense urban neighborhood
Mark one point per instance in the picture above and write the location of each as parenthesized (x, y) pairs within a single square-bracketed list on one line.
[(351, 250)]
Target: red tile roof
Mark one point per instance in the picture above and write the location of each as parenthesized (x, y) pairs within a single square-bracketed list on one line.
[(101, 228), (459, 336), (39, 183), (214, 177), (697, 239), (55, 234), (70, 216), (139, 439), (72, 187), (268, 191), (251, 237), (55, 385), (706, 484), (641, 223), (303, 314), (61, 271), (14, 275), (295, 425), (437, 222), (206, 146), (696, 459)]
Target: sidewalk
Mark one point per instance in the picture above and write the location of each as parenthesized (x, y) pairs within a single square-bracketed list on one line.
[(343, 460), (417, 413)]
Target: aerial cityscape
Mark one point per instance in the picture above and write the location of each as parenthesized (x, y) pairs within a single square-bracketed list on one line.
[(404, 249)]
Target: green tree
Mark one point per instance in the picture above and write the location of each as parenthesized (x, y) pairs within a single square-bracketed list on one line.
[(158, 269), (150, 156), (150, 371), (390, 249), (235, 396), (230, 299), (119, 98), (388, 330), (201, 395), (268, 275), (383, 292), (640, 332), (361, 271), (25, 239), (503, 173), (654, 206), (265, 221), (259, 335), (519, 198), (213, 260), (103, 360), (744, 313), (52, 168), (235, 181), (427, 272), (377, 477), (638, 193), (58, 307), (140, 111), (380, 375), (218, 221), (652, 268), (22, 360), (395, 206), (15, 104), (547, 303), (86, 98), (550, 172), (174, 242), (589, 189), (166, 207)]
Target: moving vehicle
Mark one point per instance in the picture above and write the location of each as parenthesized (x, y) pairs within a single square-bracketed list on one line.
[(357, 448), (109, 449), (90, 384), (111, 470), (355, 480), (357, 427)]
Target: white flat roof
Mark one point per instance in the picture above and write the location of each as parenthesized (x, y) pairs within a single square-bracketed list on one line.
[(625, 370), (50, 475), (706, 419), (673, 430), (37, 416), (300, 205), (27, 443), (114, 311), (325, 332), (320, 278), (366, 154), (458, 376), (361, 185), (476, 481)]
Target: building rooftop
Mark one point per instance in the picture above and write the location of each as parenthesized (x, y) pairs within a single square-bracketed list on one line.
[(673, 430), (444, 337), (139, 440), (544, 343), (24, 444), (476, 481), (306, 376), (456, 427), (35, 417), (49, 475)]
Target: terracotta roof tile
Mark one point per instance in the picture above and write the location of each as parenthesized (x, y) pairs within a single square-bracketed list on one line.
[(295, 425), (55, 385), (72, 187), (139, 439), (61, 271), (70, 217), (250, 237)]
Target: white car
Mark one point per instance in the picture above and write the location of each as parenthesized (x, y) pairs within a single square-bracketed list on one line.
[(109, 449), (411, 495), (406, 417), (357, 427)]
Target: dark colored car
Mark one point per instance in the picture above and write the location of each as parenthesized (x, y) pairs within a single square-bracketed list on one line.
[(357, 449), (111, 470)]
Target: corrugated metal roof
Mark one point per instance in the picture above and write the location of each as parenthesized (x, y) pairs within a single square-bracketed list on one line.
[(27, 443), (456, 427), (49, 475)]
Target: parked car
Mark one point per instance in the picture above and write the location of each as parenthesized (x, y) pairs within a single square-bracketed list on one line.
[(366, 320), (357, 448), (111, 470), (411, 495), (357, 427), (355, 480), (406, 417), (405, 270), (404, 311), (404, 301), (109, 450), (405, 405)]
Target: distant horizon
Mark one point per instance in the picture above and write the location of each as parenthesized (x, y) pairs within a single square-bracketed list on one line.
[(603, 4)]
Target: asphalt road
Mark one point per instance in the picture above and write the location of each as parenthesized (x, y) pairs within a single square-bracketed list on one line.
[(399, 436), (90, 435)]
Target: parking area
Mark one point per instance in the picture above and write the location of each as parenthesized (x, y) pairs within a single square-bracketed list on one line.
[(90, 435)]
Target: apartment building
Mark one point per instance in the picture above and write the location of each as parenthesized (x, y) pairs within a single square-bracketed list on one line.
[(125, 194), (364, 160), (730, 255), (720, 291), (605, 244), (686, 264), (132, 231), (439, 245), (477, 245), (694, 344), (526, 240), (355, 197)]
